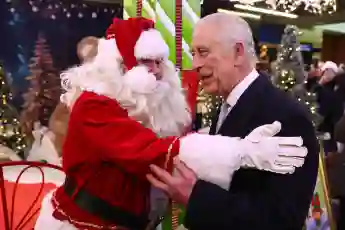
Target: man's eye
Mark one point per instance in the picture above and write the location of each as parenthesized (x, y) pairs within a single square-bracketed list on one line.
[(203, 53)]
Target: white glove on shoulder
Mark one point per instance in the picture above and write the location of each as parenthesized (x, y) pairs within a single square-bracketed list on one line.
[(263, 151)]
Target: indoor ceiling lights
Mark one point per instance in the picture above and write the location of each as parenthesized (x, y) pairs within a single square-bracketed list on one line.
[(241, 14), (312, 6), (265, 11)]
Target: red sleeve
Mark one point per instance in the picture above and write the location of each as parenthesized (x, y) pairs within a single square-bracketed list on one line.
[(108, 129)]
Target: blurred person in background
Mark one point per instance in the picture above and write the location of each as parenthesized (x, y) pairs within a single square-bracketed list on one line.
[(313, 76), (330, 104), (336, 173), (340, 84)]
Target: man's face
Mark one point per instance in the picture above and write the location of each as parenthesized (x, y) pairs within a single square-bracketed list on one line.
[(154, 66), (214, 61)]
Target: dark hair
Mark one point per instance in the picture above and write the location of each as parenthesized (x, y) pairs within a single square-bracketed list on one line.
[(315, 62)]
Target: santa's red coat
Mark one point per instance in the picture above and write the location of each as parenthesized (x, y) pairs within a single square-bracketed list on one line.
[(101, 131)]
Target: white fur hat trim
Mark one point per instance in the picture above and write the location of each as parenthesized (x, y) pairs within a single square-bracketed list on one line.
[(151, 45), (139, 80), (108, 52), (329, 65)]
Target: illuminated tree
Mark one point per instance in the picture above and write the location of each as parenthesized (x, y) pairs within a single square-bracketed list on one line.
[(289, 72), (44, 90), (10, 129)]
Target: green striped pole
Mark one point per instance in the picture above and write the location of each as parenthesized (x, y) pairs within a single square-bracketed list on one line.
[(163, 13)]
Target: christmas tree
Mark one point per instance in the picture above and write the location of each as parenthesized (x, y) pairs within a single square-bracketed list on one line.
[(44, 90), (10, 129), (289, 73), (289, 70)]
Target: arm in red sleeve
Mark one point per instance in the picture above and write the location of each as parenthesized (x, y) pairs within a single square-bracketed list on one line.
[(107, 128)]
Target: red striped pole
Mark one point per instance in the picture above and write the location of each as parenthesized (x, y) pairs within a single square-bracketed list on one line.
[(178, 34), (178, 44), (139, 8)]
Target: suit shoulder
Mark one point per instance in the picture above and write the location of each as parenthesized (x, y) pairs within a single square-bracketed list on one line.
[(283, 104)]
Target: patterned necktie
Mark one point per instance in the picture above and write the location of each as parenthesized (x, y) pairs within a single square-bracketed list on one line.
[(224, 110)]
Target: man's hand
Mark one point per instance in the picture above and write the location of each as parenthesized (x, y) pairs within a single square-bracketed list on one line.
[(178, 186)]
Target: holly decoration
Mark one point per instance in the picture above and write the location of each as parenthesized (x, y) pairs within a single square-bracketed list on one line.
[(317, 211)]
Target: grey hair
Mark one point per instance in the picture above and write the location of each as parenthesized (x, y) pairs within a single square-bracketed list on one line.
[(233, 29)]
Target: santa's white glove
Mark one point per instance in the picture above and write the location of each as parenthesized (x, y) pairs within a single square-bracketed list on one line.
[(263, 151)]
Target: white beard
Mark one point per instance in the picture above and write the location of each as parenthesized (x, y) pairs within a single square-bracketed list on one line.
[(163, 108)]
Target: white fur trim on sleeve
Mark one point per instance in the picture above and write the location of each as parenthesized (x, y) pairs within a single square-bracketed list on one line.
[(212, 158), (151, 45), (139, 80)]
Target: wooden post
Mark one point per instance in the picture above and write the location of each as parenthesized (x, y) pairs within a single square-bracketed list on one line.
[(324, 181)]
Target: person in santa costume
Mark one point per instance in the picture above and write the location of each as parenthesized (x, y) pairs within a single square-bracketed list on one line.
[(128, 111)]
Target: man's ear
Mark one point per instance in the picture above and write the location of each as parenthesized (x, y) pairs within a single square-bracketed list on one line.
[(239, 52)]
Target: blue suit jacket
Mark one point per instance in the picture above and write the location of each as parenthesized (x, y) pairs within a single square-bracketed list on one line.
[(258, 199)]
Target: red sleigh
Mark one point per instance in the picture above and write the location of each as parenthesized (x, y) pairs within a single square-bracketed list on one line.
[(22, 187)]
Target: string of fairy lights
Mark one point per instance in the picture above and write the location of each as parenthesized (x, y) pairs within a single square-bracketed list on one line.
[(10, 132), (207, 106), (289, 6), (312, 6), (57, 8)]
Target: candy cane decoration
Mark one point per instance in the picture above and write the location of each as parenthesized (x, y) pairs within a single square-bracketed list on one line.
[(178, 35), (139, 8), (178, 43)]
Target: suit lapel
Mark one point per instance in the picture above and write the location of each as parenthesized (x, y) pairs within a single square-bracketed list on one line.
[(244, 109)]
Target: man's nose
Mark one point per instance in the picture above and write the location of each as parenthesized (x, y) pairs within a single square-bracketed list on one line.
[(155, 69), (196, 63)]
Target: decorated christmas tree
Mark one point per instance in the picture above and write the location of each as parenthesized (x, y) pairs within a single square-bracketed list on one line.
[(289, 70), (209, 105), (10, 129), (289, 73), (44, 91)]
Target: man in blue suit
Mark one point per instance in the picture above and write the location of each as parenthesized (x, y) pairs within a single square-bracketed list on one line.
[(224, 56)]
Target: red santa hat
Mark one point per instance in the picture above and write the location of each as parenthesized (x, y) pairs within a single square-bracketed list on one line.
[(135, 39), (128, 41)]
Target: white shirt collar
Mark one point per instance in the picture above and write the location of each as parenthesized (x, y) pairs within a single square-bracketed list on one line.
[(237, 92)]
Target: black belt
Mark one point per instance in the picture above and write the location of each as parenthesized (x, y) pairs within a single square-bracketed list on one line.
[(102, 209)]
